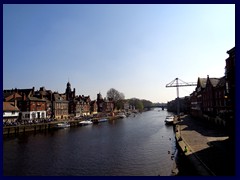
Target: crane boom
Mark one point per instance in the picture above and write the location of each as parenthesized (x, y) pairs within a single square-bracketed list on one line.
[(177, 84)]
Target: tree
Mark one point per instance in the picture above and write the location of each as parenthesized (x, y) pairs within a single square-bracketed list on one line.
[(147, 103), (115, 95), (137, 103)]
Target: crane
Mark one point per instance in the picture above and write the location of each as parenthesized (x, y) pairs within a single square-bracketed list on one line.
[(177, 84)]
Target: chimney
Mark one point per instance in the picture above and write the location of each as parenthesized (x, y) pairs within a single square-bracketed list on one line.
[(15, 101), (24, 97)]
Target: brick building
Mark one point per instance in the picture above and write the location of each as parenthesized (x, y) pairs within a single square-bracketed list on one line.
[(60, 106)]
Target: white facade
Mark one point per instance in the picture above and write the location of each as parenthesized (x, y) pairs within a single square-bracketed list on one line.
[(30, 115), (10, 116), (86, 114)]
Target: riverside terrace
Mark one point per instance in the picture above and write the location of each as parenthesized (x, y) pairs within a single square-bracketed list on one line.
[(207, 148)]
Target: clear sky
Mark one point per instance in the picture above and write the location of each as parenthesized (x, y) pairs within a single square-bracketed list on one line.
[(136, 49)]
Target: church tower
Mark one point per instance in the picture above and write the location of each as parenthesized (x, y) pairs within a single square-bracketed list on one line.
[(68, 91)]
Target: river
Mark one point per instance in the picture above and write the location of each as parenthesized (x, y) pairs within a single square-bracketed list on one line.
[(132, 146)]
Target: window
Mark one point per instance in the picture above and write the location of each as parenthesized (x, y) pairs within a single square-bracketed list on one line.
[(33, 115), (13, 112)]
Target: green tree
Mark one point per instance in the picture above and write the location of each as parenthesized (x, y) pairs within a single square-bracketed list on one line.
[(137, 103), (146, 103)]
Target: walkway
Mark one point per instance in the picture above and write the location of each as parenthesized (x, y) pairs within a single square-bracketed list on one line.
[(208, 147)]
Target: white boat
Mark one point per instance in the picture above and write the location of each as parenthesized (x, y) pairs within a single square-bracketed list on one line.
[(83, 123), (62, 125), (121, 115), (103, 120), (169, 120)]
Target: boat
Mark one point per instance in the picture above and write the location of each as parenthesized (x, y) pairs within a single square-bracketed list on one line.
[(83, 123), (121, 115), (169, 120), (62, 125), (103, 120)]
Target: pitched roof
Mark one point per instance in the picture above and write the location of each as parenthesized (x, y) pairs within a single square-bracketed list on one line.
[(9, 106), (222, 82), (27, 92), (202, 82), (59, 98), (10, 96), (214, 81), (35, 99), (231, 51)]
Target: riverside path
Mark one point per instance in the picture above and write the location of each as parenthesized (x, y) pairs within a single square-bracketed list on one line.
[(206, 146)]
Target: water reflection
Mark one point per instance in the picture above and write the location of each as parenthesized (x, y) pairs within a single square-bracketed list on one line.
[(135, 146)]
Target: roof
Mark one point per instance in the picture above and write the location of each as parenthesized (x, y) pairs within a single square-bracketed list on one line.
[(214, 81), (58, 97), (9, 106), (202, 82), (222, 82), (35, 99), (10, 96), (20, 91), (231, 51)]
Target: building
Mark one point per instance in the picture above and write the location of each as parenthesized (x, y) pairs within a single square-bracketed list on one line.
[(220, 98), (60, 106), (100, 102), (32, 108), (208, 97), (94, 107), (108, 106), (11, 96), (201, 84), (85, 103), (10, 112), (230, 73), (45, 95), (70, 95), (194, 108)]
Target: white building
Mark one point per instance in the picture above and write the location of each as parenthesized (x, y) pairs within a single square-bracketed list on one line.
[(10, 112)]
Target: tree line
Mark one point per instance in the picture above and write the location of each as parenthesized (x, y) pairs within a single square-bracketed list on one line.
[(119, 99)]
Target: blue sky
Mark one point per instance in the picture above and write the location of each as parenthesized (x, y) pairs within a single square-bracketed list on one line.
[(136, 49)]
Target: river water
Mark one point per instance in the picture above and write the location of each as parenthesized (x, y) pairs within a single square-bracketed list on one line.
[(133, 146)]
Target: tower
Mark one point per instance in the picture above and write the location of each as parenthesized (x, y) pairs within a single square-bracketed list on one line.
[(68, 91)]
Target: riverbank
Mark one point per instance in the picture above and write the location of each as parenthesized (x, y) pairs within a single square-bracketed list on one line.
[(206, 147), (21, 129)]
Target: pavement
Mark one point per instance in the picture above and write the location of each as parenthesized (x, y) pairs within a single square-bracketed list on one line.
[(206, 146)]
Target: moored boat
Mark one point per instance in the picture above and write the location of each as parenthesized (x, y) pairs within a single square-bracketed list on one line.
[(86, 122), (169, 120), (121, 115), (62, 125), (103, 120)]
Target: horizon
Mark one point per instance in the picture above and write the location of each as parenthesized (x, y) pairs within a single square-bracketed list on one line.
[(135, 49)]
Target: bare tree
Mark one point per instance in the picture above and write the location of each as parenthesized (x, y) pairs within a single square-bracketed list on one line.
[(115, 95)]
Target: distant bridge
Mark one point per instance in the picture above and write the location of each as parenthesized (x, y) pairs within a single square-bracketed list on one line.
[(164, 106)]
